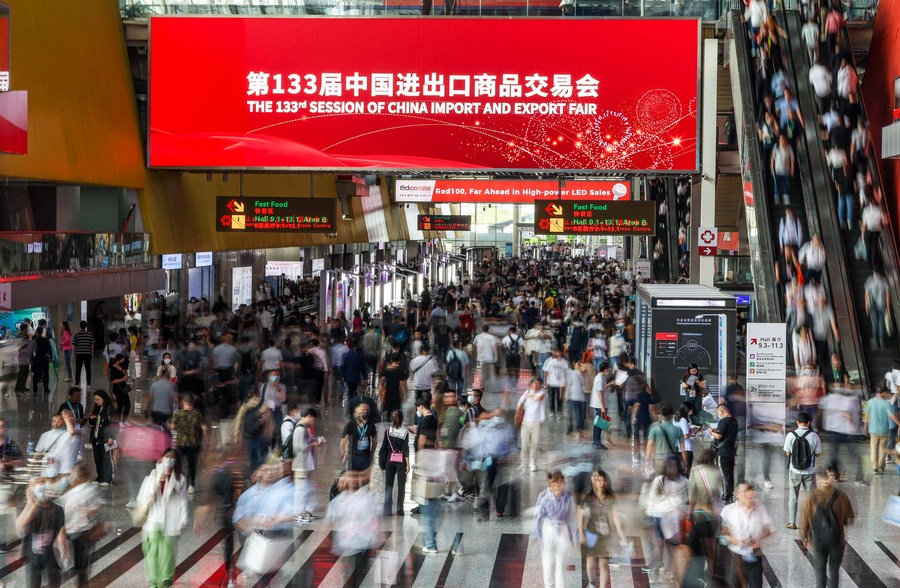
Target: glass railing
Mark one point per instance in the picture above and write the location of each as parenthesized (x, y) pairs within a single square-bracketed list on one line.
[(733, 270), (704, 9), (37, 252)]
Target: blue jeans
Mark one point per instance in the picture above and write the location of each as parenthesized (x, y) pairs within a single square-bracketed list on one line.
[(576, 415), (782, 189), (541, 358), (598, 432), (845, 209), (431, 513), (876, 315), (257, 447)]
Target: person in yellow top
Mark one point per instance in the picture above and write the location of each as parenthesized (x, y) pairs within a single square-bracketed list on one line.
[(550, 303)]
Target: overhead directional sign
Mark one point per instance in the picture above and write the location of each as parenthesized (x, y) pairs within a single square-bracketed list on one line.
[(445, 222), (708, 241), (586, 217), (270, 214)]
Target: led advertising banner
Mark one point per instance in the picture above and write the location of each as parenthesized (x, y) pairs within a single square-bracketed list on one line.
[(570, 217), (460, 94), (508, 191), (268, 214), (445, 222)]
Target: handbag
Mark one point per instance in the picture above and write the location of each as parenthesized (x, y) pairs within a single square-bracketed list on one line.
[(520, 415), (425, 488), (396, 456), (602, 423), (387, 565), (892, 511), (263, 555)]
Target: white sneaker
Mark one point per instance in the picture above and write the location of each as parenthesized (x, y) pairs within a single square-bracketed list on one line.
[(190, 489), (533, 467), (131, 504), (429, 550), (767, 485), (455, 498)]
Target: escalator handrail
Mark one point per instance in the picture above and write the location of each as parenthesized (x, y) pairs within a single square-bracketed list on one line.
[(819, 196), (765, 289), (889, 252)]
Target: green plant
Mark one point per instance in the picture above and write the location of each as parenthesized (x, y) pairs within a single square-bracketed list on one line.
[(135, 10)]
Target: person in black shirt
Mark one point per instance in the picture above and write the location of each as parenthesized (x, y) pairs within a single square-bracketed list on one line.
[(426, 432), (358, 441), (392, 392), (40, 364), (725, 436), (74, 404)]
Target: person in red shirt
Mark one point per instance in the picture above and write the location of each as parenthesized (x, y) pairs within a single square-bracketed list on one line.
[(466, 326)]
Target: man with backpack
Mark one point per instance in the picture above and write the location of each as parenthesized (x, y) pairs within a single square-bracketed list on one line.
[(822, 523), (457, 366), (802, 446), (298, 447), (513, 345)]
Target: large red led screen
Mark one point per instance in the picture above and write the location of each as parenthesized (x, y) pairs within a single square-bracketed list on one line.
[(424, 93)]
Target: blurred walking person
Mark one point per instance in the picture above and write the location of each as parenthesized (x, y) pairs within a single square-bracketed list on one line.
[(597, 519), (556, 527), (393, 458), (745, 525), (532, 402), (825, 514), (162, 512)]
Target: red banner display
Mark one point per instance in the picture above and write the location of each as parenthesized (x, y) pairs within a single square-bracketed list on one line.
[(460, 94), (508, 191)]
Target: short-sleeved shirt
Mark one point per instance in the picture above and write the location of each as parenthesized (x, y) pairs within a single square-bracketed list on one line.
[(815, 448), (187, 427), (82, 342), (879, 411), (225, 356), (451, 426), (362, 437), (428, 428), (666, 439), (727, 446)]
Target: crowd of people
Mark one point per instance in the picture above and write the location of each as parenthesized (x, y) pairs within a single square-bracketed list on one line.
[(447, 400)]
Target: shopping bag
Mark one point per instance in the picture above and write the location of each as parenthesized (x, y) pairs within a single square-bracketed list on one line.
[(602, 423), (622, 554), (263, 555), (859, 250), (387, 564), (892, 511), (62, 549)]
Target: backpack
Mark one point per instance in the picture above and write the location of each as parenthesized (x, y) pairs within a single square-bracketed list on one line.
[(287, 444), (512, 348), (455, 368), (801, 453), (252, 425), (401, 337), (825, 527)]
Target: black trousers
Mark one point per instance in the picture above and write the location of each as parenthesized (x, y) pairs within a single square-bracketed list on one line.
[(83, 360), (391, 471), (22, 378), (41, 372), (192, 455), (102, 461), (828, 560), (726, 465), (37, 565), (81, 551)]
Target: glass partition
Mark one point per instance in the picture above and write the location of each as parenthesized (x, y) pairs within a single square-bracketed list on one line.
[(705, 9), (37, 252)]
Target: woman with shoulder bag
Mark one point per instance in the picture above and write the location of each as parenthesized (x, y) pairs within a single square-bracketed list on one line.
[(99, 421), (162, 513), (393, 458), (597, 516), (118, 379)]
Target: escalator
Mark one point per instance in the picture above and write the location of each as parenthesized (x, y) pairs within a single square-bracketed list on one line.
[(847, 275)]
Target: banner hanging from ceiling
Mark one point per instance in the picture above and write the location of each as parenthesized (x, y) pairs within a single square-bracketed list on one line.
[(461, 94)]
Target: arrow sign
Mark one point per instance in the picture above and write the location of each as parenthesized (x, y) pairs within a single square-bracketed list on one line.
[(754, 341), (426, 219), (235, 206), (554, 209)]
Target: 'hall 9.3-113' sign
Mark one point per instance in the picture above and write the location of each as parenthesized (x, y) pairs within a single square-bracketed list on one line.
[(271, 214)]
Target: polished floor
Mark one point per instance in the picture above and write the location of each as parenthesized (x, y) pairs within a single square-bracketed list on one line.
[(495, 553)]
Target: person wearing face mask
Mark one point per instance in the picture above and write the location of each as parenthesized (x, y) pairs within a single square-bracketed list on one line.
[(162, 513), (274, 394), (556, 527), (190, 431), (83, 523), (166, 369), (162, 397), (358, 440), (39, 524), (99, 421)]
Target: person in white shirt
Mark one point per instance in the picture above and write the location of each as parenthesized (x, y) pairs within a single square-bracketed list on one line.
[(422, 369), (820, 78), (541, 341), (598, 402), (745, 525), (270, 359), (801, 476), (304, 463), (487, 352), (556, 373), (812, 255), (872, 221), (60, 445), (576, 383), (810, 35), (533, 419)]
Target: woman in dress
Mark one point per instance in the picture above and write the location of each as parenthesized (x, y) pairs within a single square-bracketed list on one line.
[(65, 345), (596, 518)]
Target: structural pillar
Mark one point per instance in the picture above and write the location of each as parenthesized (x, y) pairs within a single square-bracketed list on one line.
[(705, 210)]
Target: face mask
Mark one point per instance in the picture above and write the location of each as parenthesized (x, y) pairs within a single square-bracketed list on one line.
[(160, 468), (167, 361), (471, 399), (169, 463), (364, 417), (273, 378), (51, 470), (497, 420)]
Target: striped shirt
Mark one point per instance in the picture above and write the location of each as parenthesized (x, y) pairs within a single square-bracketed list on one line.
[(83, 341)]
